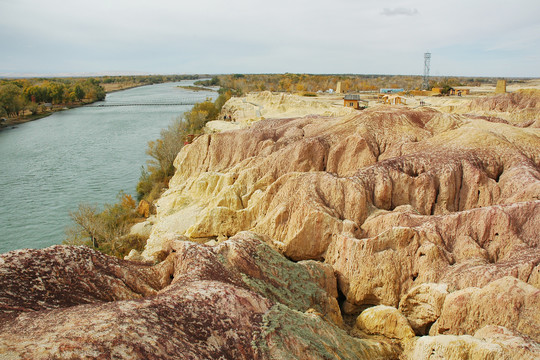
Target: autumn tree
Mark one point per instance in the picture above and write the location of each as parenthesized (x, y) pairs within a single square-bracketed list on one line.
[(11, 99), (79, 92)]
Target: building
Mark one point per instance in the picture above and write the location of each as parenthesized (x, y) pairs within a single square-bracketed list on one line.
[(355, 102), (338, 87), (451, 91), (392, 99), (390, 91), (501, 87), (459, 92)]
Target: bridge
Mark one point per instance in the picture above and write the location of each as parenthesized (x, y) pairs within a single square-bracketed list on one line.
[(149, 103)]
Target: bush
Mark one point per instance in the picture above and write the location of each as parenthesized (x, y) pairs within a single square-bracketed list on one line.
[(120, 247), (163, 151), (106, 230)]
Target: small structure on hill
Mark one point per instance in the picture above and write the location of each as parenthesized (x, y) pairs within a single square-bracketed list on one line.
[(501, 87), (420, 93), (437, 91), (391, 91), (338, 88), (355, 102), (459, 92), (392, 99)]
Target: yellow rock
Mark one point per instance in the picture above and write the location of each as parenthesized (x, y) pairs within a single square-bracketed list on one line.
[(386, 321)]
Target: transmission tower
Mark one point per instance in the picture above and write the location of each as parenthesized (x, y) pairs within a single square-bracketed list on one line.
[(425, 83)]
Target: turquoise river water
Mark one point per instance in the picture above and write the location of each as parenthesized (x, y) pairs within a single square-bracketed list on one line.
[(83, 155)]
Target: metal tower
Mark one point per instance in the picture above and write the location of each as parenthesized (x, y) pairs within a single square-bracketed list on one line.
[(425, 83)]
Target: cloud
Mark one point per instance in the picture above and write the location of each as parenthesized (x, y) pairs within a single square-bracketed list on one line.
[(399, 11)]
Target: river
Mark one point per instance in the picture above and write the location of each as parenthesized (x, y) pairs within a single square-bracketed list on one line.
[(83, 155)]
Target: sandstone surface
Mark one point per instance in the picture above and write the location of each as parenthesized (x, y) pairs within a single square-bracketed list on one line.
[(451, 347), (407, 206), (490, 342), (386, 321), (422, 306), (426, 216), (507, 302), (514, 345)]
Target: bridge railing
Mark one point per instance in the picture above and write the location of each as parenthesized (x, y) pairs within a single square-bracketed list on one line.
[(191, 101)]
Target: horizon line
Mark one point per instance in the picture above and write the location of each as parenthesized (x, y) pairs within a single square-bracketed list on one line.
[(28, 75)]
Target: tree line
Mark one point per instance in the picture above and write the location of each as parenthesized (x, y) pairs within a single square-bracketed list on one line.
[(38, 95), (34, 95), (312, 83), (147, 79)]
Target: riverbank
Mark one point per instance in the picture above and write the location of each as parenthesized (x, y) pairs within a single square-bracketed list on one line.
[(11, 122), (27, 116), (108, 87), (196, 88)]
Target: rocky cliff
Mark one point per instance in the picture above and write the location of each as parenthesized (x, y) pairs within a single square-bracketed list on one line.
[(387, 233)]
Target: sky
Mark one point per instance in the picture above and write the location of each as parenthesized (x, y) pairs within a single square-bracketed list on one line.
[(497, 38)]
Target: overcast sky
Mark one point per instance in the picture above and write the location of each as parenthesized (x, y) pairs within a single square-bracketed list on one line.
[(466, 37)]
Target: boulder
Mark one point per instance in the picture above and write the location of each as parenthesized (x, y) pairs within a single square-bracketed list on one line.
[(143, 209), (422, 306), (386, 321), (142, 229)]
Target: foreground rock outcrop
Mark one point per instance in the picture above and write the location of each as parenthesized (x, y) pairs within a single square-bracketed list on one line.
[(238, 300)]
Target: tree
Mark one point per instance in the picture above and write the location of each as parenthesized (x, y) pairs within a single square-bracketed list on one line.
[(103, 230), (164, 150), (79, 92), (33, 107), (57, 92), (87, 225)]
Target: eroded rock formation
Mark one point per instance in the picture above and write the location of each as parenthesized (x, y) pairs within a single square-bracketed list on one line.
[(391, 198), (398, 222)]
